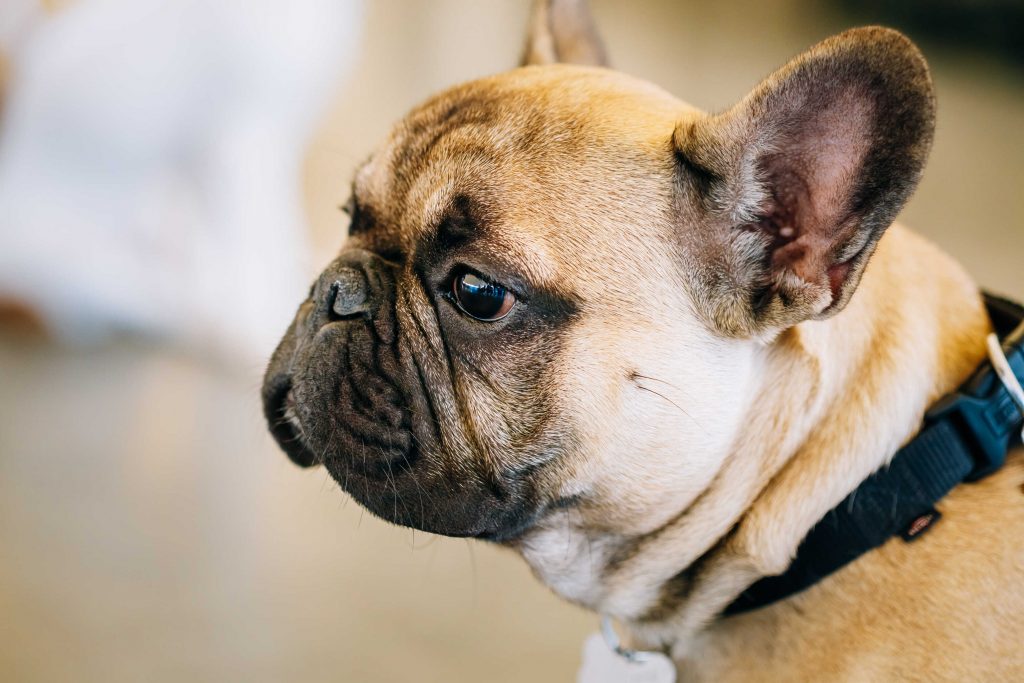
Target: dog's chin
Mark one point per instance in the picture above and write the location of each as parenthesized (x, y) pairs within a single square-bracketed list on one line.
[(470, 512)]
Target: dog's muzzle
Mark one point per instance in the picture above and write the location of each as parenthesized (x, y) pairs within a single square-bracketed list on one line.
[(343, 389), (317, 366)]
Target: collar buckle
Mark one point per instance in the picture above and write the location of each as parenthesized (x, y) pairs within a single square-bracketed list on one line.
[(989, 408)]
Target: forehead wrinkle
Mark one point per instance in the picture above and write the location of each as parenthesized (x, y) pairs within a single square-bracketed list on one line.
[(496, 237), (432, 192), (437, 202), (416, 138)]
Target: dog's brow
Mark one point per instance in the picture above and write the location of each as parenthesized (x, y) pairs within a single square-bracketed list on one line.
[(468, 224), (459, 223)]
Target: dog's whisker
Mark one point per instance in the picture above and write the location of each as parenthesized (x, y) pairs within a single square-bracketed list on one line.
[(391, 481), (674, 387), (420, 492), (673, 403)]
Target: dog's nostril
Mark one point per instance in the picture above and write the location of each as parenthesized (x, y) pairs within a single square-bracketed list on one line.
[(347, 297)]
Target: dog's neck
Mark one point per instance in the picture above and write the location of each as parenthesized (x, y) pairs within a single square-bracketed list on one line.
[(837, 398)]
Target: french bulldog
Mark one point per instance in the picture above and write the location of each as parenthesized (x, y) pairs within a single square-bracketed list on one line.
[(649, 347)]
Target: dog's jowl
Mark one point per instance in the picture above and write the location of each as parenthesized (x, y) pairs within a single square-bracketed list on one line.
[(649, 348)]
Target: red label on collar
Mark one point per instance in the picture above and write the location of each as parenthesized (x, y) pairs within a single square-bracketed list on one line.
[(920, 524)]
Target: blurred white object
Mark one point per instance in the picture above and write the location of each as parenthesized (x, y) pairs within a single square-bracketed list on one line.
[(150, 164), (16, 20)]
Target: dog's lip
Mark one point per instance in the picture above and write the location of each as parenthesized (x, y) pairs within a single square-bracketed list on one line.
[(278, 409)]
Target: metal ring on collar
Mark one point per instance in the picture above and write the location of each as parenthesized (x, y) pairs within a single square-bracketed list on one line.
[(1005, 373)]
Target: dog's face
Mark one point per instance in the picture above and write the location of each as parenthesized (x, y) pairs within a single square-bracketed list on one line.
[(558, 282), (510, 341)]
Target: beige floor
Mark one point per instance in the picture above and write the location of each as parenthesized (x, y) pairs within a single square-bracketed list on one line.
[(149, 530)]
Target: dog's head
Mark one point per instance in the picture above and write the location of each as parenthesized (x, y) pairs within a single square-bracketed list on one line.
[(556, 279)]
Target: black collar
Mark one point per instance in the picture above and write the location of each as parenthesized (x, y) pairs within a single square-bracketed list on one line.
[(965, 437)]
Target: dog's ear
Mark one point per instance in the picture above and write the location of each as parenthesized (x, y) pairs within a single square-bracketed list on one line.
[(792, 188), (563, 31)]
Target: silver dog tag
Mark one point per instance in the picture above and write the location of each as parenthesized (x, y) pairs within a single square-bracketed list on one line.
[(605, 662)]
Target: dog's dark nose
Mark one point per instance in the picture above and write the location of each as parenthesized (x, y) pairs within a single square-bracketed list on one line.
[(345, 290), (346, 294)]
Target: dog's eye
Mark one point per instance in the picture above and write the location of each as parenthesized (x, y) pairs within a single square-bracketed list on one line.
[(481, 299)]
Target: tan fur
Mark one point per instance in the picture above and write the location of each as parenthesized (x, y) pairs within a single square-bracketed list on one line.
[(832, 400), (843, 394), (718, 388)]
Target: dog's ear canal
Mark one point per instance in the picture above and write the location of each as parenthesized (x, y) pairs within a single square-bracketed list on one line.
[(562, 31), (792, 188)]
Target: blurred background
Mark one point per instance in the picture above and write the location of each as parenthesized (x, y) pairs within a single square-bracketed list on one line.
[(149, 529)]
